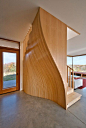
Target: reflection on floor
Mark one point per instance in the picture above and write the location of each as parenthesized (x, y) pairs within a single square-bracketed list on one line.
[(79, 109), (19, 110)]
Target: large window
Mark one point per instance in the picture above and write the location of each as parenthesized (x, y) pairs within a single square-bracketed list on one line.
[(79, 63), (69, 61)]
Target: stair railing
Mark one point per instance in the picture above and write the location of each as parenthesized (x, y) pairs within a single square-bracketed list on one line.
[(70, 77)]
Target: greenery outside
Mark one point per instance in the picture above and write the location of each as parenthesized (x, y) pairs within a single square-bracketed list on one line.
[(10, 67), (9, 71), (9, 77)]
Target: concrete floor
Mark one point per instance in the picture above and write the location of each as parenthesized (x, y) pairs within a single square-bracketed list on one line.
[(19, 110)]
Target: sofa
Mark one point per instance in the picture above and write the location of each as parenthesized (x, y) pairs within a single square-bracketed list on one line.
[(78, 82)]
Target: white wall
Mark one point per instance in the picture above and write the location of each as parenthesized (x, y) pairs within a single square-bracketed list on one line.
[(21, 66), (5, 43), (71, 34)]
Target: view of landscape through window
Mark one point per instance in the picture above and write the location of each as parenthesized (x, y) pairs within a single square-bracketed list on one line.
[(69, 61), (79, 63), (9, 69)]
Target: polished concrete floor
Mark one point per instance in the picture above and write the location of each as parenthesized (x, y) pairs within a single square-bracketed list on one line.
[(19, 110)]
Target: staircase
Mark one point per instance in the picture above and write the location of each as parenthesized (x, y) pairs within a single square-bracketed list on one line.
[(44, 62), (72, 97)]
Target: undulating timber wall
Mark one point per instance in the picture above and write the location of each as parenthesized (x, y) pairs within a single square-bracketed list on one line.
[(45, 59)]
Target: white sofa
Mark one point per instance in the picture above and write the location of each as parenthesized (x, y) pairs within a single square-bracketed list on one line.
[(78, 82)]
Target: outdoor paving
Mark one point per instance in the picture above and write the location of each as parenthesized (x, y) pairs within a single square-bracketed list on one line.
[(9, 84)]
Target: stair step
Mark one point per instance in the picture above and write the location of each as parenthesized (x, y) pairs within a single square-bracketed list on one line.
[(69, 90), (73, 98)]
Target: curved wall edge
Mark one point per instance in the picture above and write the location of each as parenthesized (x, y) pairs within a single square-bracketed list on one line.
[(41, 75)]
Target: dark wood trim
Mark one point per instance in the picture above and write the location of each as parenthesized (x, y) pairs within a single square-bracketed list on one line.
[(8, 90), (9, 48), (76, 55), (80, 55), (69, 56), (19, 67), (9, 40)]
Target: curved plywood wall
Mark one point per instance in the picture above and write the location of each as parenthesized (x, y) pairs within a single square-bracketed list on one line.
[(55, 34), (44, 63), (25, 42)]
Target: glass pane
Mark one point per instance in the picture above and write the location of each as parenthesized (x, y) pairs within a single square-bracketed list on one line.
[(69, 61), (9, 70), (79, 63)]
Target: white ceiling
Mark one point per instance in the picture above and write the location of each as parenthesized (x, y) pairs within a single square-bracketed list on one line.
[(17, 15)]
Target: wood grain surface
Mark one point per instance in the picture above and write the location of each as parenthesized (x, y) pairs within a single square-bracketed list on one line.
[(25, 42), (45, 72)]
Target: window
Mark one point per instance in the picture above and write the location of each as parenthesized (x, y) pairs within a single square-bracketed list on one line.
[(69, 61), (79, 63)]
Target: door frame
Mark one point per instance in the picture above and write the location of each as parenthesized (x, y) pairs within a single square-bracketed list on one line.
[(12, 50)]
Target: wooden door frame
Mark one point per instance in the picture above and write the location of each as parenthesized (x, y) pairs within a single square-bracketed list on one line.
[(12, 50)]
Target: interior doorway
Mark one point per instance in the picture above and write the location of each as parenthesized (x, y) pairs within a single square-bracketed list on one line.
[(9, 70)]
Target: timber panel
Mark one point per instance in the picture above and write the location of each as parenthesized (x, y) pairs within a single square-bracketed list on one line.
[(41, 75)]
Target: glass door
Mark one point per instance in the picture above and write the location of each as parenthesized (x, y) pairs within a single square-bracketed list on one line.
[(9, 70)]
